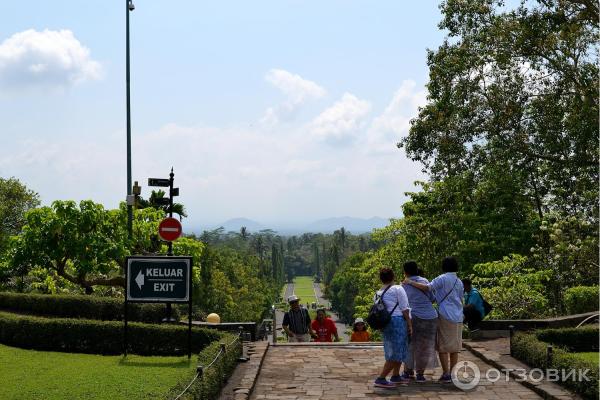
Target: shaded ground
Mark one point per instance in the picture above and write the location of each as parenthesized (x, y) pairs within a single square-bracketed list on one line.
[(341, 372)]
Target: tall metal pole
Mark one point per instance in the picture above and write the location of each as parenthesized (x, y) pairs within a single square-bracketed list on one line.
[(129, 189), (171, 179)]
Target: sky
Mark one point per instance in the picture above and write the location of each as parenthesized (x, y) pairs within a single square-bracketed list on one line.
[(282, 111)]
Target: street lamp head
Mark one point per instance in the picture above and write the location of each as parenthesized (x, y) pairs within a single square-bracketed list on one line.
[(131, 5)]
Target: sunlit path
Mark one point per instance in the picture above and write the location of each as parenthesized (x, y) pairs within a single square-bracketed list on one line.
[(302, 372)]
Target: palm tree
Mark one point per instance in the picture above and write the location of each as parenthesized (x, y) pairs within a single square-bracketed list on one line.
[(244, 233), (178, 208)]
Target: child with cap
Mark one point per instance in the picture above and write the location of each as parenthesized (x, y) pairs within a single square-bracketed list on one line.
[(360, 333)]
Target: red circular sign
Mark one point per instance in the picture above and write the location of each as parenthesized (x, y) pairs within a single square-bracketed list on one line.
[(169, 229)]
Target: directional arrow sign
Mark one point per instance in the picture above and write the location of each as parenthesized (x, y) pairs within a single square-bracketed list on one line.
[(140, 280), (158, 279), (159, 182)]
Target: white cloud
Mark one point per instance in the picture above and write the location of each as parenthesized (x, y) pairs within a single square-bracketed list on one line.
[(393, 124), (222, 172), (297, 91), (301, 167), (342, 121), (296, 88), (47, 59)]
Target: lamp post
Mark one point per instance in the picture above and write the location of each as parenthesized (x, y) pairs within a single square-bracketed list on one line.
[(128, 8)]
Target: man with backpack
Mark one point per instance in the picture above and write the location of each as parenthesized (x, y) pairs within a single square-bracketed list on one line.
[(296, 322), (474, 309)]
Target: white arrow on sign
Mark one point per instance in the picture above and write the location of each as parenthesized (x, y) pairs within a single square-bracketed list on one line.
[(140, 279)]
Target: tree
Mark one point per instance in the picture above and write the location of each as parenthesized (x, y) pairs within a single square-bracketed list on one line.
[(516, 88), (178, 208), (15, 201), (244, 233), (316, 262), (476, 219), (341, 237), (85, 245)]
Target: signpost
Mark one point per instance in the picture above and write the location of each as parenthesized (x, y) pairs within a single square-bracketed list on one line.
[(173, 192), (159, 182), (159, 279)]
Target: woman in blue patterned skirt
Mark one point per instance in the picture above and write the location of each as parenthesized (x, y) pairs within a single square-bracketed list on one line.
[(397, 331)]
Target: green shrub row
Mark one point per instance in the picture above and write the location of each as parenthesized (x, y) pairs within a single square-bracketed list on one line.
[(527, 348), (89, 307), (580, 339), (582, 299), (214, 377), (99, 337)]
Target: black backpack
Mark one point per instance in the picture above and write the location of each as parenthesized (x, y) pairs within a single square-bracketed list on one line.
[(487, 307), (379, 316)]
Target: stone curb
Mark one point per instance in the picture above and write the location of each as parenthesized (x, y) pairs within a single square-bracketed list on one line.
[(248, 382), (548, 393)]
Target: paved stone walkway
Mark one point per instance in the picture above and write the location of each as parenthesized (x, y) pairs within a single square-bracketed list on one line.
[(497, 353), (304, 372)]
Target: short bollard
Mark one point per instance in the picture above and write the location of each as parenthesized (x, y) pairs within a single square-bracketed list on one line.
[(511, 333), (200, 371), (243, 338), (548, 356)]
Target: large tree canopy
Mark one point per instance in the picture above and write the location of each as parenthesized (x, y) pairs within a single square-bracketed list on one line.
[(518, 87), (84, 244)]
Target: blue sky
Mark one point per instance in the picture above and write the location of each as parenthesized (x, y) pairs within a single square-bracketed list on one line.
[(280, 111)]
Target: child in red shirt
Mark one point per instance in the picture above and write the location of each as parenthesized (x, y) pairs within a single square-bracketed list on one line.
[(324, 328)]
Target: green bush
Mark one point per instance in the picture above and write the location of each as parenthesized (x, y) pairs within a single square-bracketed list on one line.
[(89, 307), (527, 348), (214, 377), (581, 299), (574, 339), (517, 302), (99, 337)]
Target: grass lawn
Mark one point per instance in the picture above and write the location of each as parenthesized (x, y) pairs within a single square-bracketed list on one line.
[(593, 357), (30, 374), (303, 288)]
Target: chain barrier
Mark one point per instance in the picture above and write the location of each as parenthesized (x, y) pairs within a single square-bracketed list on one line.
[(200, 369)]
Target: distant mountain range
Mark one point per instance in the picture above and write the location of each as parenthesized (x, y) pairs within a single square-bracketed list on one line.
[(327, 225)]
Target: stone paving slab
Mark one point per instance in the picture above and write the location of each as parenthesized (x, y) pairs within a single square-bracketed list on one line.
[(338, 372)]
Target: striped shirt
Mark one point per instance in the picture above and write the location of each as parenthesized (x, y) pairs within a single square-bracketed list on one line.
[(297, 321)]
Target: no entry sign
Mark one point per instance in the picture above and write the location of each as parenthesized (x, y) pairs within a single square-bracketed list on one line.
[(169, 229)]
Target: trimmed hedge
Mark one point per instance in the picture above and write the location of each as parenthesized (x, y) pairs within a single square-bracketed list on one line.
[(89, 307), (582, 299), (580, 339), (527, 348), (99, 337), (214, 377)]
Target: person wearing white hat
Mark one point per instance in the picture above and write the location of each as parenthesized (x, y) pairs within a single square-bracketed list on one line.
[(360, 333), (296, 322)]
